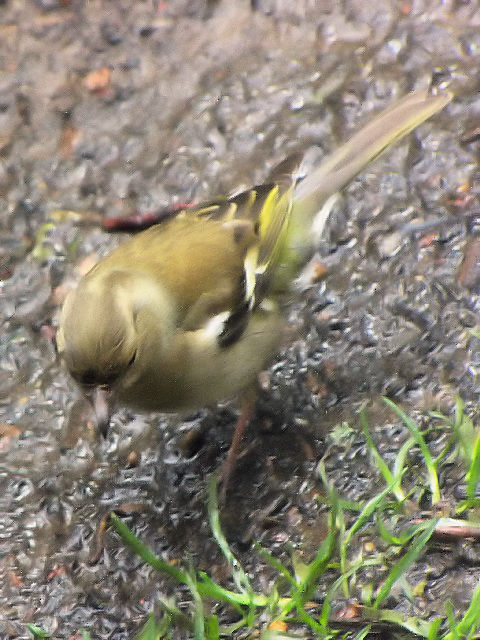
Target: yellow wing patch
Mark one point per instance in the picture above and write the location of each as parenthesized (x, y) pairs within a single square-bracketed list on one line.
[(259, 219)]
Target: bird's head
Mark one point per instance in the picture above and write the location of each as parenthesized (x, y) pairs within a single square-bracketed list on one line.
[(101, 333), (97, 334)]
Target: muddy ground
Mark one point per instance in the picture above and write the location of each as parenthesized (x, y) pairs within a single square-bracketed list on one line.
[(111, 108)]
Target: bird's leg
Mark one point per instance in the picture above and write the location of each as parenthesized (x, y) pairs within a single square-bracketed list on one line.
[(247, 406)]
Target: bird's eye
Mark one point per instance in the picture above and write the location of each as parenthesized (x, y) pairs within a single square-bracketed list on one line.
[(132, 359), (88, 378)]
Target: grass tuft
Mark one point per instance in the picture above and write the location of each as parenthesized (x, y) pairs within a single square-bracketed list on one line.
[(304, 600)]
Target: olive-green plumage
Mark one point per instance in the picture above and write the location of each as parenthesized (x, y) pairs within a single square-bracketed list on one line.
[(186, 313)]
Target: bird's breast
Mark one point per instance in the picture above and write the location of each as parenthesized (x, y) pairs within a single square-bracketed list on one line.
[(199, 372)]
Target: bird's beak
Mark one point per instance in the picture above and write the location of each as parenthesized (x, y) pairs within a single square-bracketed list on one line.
[(101, 405)]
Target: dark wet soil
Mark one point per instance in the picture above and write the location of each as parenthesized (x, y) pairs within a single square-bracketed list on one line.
[(111, 108)]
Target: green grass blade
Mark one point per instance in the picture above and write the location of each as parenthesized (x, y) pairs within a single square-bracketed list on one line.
[(173, 615), (405, 561), (431, 468), (325, 612), (459, 410), (239, 576), (304, 589), (465, 505), (386, 534), (37, 632), (307, 619), (363, 633), (473, 473), (399, 541), (412, 624), (368, 510), (318, 566), (276, 564), (212, 628), (210, 589), (379, 461), (198, 616), (475, 332), (152, 630), (144, 552), (464, 431), (434, 629), (452, 623), (207, 587), (366, 513), (399, 465), (470, 621)]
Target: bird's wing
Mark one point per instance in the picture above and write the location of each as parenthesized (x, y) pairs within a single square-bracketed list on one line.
[(217, 258), (258, 218), (266, 209)]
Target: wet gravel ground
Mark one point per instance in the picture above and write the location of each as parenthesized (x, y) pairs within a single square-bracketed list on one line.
[(114, 108)]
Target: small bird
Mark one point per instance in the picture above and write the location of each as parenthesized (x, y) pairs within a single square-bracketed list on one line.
[(188, 312)]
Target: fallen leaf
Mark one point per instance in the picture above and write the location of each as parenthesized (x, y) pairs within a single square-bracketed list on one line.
[(98, 80), (278, 625)]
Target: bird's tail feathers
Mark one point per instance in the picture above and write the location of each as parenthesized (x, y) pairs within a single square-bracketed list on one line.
[(389, 126)]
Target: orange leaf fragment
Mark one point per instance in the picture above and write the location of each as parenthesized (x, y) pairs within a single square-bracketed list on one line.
[(97, 80), (277, 625)]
